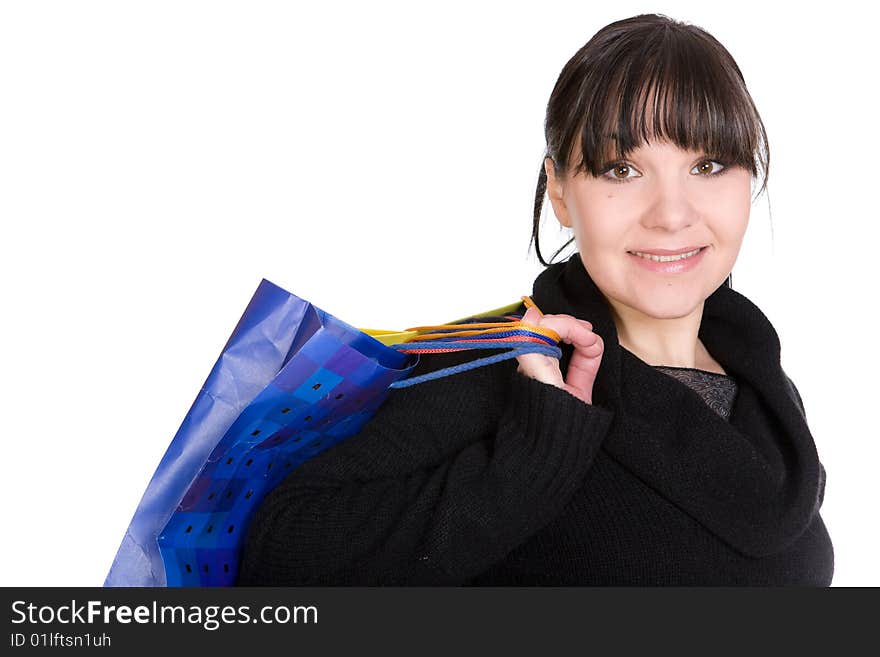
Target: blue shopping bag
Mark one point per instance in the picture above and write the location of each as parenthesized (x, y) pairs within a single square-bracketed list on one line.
[(291, 382)]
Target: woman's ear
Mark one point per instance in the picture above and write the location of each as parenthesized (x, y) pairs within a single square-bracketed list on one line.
[(555, 189)]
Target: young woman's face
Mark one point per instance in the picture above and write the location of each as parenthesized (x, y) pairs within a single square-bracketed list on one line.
[(671, 200)]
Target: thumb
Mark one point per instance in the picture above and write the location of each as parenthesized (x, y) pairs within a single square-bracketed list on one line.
[(532, 316)]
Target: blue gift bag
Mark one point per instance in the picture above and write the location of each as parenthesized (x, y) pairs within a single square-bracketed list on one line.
[(291, 381)]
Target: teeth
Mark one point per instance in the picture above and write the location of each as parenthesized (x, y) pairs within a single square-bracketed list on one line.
[(669, 258)]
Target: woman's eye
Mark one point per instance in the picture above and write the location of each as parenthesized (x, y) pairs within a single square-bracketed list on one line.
[(705, 167), (619, 172)]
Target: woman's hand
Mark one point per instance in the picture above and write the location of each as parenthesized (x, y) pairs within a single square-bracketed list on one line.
[(584, 364)]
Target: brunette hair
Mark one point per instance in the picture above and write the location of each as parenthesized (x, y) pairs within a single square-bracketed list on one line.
[(700, 102)]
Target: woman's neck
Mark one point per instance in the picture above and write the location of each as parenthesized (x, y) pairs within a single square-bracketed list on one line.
[(672, 342)]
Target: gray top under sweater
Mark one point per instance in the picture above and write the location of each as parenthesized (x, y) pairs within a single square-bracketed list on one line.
[(717, 390)]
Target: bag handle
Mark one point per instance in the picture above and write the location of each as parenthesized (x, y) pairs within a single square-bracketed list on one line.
[(512, 334)]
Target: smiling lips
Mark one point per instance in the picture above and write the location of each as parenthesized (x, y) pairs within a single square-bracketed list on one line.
[(664, 255), (667, 261)]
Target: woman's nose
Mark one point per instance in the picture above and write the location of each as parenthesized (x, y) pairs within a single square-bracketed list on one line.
[(670, 208)]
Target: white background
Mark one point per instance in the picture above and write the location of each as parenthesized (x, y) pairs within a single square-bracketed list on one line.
[(157, 159)]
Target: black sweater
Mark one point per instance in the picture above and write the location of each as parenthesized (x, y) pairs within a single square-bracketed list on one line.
[(489, 477)]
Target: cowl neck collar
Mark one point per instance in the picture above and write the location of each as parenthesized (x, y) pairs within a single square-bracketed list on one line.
[(753, 480)]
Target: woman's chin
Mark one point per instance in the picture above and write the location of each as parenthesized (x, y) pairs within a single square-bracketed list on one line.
[(670, 301)]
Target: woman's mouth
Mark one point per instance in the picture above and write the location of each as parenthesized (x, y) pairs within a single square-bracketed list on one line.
[(669, 264), (667, 258)]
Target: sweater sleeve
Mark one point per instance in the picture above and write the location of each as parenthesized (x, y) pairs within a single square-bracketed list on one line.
[(796, 396), (382, 512)]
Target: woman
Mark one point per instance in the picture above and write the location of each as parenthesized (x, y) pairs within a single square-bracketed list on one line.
[(673, 451)]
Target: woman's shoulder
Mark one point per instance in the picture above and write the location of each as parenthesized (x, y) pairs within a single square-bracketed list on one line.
[(466, 389), (420, 425)]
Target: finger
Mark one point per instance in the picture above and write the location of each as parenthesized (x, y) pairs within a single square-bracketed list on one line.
[(577, 332), (536, 318), (541, 367), (571, 318), (532, 316), (583, 365)]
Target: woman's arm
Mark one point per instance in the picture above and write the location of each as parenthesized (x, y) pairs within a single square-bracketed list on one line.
[(796, 395), (415, 499)]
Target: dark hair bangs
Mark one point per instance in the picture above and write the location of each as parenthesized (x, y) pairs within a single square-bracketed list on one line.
[(682, 99)]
